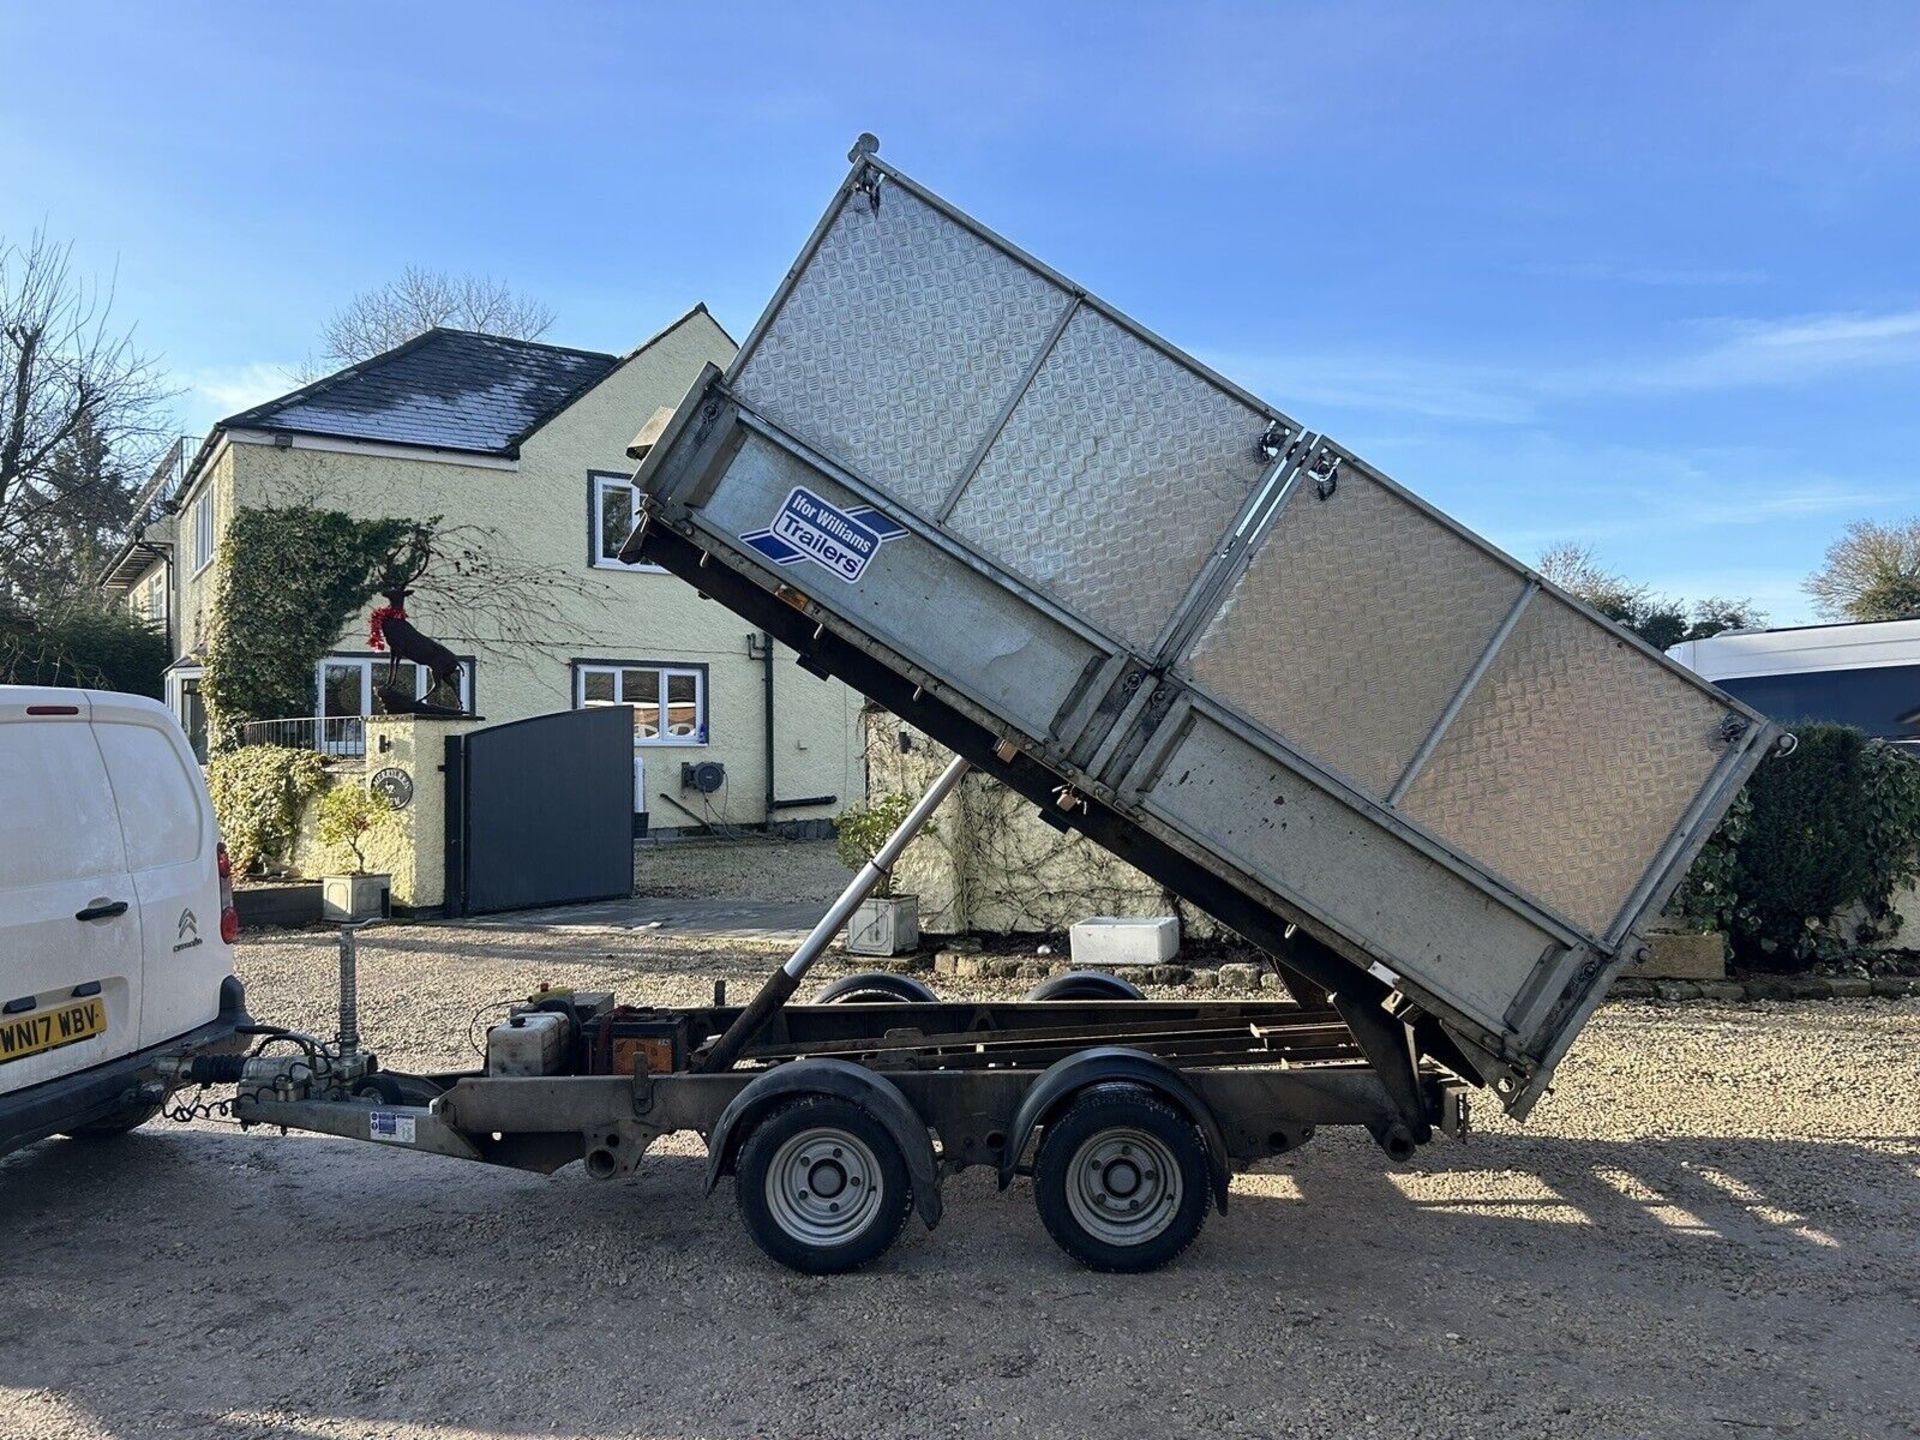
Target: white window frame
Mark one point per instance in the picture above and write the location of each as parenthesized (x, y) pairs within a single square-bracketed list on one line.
[(703, 722), (148, 599), (200, 527), (367, 664), (175, 682), (598, 483)]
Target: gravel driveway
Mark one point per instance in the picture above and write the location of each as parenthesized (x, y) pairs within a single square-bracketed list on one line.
[(1712, 1228)]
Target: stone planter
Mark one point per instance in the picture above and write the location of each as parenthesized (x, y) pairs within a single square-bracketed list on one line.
[(1684, 957), (356, 897), (884, 926)]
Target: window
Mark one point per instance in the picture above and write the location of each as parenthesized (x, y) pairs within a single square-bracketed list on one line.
[(160, 806), (346, 684), (200, 524), (183, 698), (152, 601), (669, 703), (614, 503), (57, 817)]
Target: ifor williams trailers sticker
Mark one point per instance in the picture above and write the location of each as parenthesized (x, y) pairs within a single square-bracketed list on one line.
[(841, 542)]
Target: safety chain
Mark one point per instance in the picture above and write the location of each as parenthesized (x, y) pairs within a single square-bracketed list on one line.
[(189, 1110)]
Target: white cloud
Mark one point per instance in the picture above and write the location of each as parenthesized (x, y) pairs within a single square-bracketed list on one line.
[(1774, 352), (1438, 390), (212, 395), (1740, 354)]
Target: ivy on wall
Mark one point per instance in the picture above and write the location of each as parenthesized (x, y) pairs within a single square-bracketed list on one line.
[(258, 792), (288, 580)]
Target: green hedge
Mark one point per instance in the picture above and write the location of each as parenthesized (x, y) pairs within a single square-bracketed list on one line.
[(93, 647), (258, 793), (1805, 866)]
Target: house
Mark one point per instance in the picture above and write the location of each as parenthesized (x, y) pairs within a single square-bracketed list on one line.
[(1865, 674), (530, 442)]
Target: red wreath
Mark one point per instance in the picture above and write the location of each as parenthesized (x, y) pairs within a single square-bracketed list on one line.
[(377, 624)]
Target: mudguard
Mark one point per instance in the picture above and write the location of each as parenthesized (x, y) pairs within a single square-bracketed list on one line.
[(843, 1080), (1101, 1065)]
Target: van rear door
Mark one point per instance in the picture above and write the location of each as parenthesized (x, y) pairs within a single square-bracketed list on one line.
[(171, 839), (70, 966)]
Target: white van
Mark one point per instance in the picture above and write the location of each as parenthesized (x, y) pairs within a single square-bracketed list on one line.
[(116, 912)]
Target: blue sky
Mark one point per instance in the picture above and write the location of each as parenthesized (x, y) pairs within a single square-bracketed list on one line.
[(1642, 275)]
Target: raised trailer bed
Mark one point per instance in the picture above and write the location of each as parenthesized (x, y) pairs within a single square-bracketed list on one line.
[(1218, 643)]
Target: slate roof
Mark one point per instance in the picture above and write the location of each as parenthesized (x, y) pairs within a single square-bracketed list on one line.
[(446, 389)]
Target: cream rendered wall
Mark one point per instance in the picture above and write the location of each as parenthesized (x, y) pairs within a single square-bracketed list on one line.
[(195, 592), (540, 518)]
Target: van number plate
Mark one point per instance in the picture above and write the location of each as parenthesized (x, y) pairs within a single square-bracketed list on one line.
[(24, 1035)]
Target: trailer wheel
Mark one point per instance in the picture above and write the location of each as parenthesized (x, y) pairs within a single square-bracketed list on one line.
[(1121, 1179), (875, 987), (822, 1186), (1085, 985)]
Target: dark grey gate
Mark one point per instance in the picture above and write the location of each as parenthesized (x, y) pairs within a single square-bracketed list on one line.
[(540, 811)]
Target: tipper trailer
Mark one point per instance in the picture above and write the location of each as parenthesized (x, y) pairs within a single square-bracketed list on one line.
[(1442, 794)]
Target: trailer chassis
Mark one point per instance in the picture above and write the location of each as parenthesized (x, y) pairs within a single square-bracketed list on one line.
[(836, 1118), (953, 1086)]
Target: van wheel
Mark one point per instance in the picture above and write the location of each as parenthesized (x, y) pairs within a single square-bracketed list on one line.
[(118, 1123), (822, 1186), (1121, 1179)]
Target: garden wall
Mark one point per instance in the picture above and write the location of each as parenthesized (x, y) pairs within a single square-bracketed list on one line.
[(410, 845), (989, 863)]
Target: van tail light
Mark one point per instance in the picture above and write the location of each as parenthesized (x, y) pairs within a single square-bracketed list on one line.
[(229, 917)]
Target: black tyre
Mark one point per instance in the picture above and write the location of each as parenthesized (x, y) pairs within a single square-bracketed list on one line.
[(1121, 1179), (875, 987), (1085, 985), (118, 1123), (822, 1186)]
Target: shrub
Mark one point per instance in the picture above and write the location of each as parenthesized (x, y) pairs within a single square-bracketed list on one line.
[(96, 647), (1707, 897), (863, 829), (1806, 867), (258, 793), (347, 817)]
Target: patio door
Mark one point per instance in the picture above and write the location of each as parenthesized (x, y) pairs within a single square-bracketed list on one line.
[(345, 684), (346, 698), (188, 707)]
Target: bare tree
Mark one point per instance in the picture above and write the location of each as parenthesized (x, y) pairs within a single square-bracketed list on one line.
[(1659, 620), (80, 417), (1872, 572), (392, 314)]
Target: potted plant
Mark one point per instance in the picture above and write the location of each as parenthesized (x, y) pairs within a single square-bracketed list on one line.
[(349, 817), (884, 923)]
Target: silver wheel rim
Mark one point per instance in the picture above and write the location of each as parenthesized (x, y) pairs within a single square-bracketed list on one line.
[(824, 1186), (1124, 1186)]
